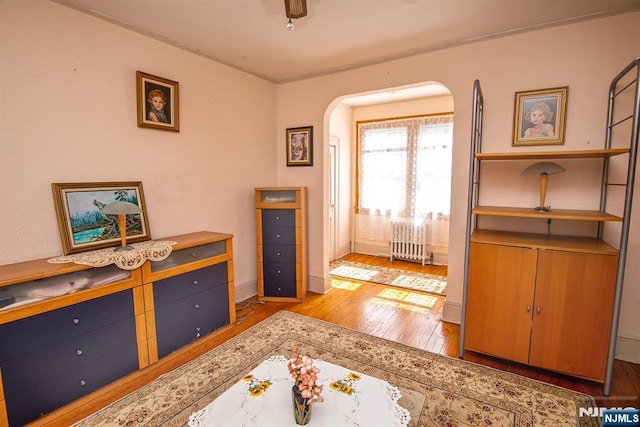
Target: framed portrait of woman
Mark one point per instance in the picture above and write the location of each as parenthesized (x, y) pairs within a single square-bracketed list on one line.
[(300, 146), (157, 102), (539, 117)]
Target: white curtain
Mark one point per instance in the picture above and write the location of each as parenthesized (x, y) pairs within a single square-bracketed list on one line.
[(404, 171)]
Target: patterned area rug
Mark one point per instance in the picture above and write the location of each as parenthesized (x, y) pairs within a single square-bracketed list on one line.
[(436, 390), (389, 276)]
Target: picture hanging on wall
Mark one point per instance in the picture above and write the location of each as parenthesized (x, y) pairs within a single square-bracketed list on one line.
[(83, 227), (540, 117), (157, 102), (300, 146)]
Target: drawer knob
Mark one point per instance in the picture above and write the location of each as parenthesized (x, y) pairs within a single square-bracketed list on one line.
[(76, 321), (278, 217), (197, 306), (79, 352), (278, 253), (279, 271), (197, 329), (83, 383), (278, 236), (72, 283), (279, 289), (195, 282), (193, 254)]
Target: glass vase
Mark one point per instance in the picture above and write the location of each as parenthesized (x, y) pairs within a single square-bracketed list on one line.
[(301, 409)]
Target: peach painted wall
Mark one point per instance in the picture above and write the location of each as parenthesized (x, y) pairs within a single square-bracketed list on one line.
[(68, 114), (584, 56)]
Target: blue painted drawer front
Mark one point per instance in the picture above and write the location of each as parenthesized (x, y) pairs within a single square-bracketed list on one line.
[(29, 334), (183, 285), (186, 320), (29, 404), (278, 253), (278, 218), (29, 369), (279, 236), (279, 271), (279, 288)]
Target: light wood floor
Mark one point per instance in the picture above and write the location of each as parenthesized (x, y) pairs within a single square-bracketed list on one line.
[(414, 318)]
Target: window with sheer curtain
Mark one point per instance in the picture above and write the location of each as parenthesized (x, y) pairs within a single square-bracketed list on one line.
[(404, 171)]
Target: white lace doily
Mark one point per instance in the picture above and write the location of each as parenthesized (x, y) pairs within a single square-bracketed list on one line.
[(153, 250)]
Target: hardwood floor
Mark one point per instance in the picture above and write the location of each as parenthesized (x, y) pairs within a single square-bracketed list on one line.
[(415, 319)]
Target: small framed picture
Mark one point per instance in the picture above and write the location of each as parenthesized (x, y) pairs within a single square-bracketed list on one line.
[(539, 117), (84, 228), (300, 146), (157, 102)]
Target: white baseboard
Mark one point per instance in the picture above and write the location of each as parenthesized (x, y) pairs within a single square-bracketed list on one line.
[(246, 290), (628, 349), (319, 285), (452, 312)]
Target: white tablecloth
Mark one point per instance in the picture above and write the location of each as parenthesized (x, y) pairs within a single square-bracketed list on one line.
[(372, 402)]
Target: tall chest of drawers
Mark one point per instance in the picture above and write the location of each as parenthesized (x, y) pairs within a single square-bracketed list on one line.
[(281, 242)]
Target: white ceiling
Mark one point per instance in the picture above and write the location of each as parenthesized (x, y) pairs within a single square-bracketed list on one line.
[(336, 35)]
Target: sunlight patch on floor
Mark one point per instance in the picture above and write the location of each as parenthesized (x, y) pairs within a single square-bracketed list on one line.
[(398, 305), (407, 296), (347, 285)]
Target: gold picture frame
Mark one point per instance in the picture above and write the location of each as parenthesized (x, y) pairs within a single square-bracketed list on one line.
[(83, 227), (300, 146), (539, 117), (158, 106)]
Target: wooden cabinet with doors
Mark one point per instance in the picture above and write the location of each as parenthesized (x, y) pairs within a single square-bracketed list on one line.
[(553, 300), (544, 303)]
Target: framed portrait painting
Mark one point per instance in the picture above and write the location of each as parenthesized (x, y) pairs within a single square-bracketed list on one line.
[(157, 102), (539, 117), (300, 146), (83, 227)]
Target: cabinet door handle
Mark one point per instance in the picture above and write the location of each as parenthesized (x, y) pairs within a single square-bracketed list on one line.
[(538, 309), (528, 309), (79, 352)]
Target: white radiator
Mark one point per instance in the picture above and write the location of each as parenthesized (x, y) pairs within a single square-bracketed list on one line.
[(409, 241)]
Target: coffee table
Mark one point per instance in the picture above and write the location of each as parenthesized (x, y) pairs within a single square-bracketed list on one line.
[(350, 399)]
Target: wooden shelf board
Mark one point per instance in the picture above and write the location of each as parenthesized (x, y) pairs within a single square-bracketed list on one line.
[(543, 241), (571, 154), (566, 214)]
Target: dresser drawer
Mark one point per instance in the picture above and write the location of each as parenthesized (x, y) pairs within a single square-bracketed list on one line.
[(279, 270), (30, 369), (279, 253), (278, 218), (31, 403), (279, 236), (183, 285), (190, 318), (29, 334), (279, 288)]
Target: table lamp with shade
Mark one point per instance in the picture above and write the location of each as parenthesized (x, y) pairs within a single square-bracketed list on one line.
[(121, 209), (544, 169)]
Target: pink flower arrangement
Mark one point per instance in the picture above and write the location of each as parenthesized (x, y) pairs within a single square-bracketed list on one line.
[(305, 376)]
